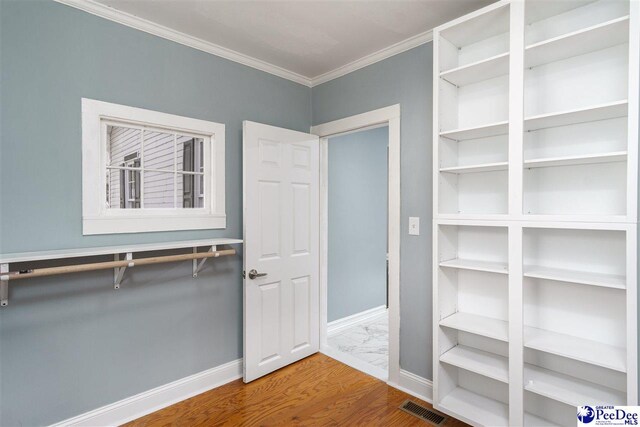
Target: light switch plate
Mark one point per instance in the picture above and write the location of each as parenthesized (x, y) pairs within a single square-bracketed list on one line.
[(414, 226)]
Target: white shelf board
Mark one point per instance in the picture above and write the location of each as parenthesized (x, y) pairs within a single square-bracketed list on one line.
[(589, 218), (589, 159), (481, 362), (535, 421), (454, 218), (572, 276), (479, 325), (475, 265), (539, 10), (485, 167), (475, 408), (569, 390), (606, 111), (478, 71), (588, 351), (477, 132), (591, 39), (463, 32), (109, 250)]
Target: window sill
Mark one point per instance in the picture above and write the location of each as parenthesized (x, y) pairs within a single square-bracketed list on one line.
[(147, 223)]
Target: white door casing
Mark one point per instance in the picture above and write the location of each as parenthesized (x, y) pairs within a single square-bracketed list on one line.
[(281, 235), (389, 116)]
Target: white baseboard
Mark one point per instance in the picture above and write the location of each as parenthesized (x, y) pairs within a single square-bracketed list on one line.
[(414, 385), (341, 324), (160, 397)]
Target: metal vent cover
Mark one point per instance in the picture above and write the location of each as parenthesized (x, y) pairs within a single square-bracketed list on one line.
[(423, 413)]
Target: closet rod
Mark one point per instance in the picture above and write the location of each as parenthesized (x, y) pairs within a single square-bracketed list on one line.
[(51, 271)]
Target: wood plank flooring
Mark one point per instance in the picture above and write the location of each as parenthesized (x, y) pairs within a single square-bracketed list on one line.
[(317, 391)]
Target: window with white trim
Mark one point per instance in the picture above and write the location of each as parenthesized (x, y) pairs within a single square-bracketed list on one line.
[(150, 171)]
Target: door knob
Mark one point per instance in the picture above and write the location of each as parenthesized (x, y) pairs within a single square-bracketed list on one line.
[(253, 274)]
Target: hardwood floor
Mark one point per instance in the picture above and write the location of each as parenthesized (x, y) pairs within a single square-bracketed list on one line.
[(317, 391)]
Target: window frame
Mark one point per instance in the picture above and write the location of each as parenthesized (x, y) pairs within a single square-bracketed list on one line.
[(98, 218)]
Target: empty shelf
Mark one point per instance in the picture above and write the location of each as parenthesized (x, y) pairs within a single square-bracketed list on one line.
[(569, 390), (591, 39), (476, 132), (537, 11), (583, 277), (478, 361), (478, 71), (470, 264), (486, 167), (468, 406), (479, 325), (535, 421), (614, 156), (584, 350), (563, 118)]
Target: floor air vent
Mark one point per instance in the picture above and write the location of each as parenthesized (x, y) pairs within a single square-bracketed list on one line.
[(423, 413)]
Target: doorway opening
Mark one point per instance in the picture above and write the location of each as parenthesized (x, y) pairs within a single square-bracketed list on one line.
[(360, 241), (357, 223)]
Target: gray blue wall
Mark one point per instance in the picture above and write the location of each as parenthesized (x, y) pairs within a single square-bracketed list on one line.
[(357, 241), (403, 79), (71, 344)]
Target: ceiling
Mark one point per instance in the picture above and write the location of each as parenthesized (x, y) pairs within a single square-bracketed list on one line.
[(306, 37)]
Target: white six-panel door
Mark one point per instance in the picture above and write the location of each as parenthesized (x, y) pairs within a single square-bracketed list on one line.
[(281, 232)]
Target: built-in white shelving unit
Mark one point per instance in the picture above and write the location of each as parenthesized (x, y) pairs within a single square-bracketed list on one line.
[(535, 211)]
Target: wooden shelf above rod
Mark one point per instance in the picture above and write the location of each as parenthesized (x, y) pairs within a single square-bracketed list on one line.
[(119, 265)]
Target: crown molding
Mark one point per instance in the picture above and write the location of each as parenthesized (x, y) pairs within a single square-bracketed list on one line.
[(372, 58), (141, 24)]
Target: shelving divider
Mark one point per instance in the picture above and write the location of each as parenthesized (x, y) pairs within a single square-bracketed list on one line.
[(593, 113), (614, 281), (478, 361), (477, 132), (486, 167), (516, 136), (484, 69), (597, 37), (476, 265), (479, 325)]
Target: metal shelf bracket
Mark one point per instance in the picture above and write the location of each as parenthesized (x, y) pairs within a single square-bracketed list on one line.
[(4, 285), (118, 272), (197, 266)]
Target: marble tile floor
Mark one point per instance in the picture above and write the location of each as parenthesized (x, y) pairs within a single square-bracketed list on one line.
[(367, 341)]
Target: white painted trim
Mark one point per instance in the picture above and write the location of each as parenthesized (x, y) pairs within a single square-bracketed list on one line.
[(339, 325), (141, 24), (147, 26), (633, 112), (354, 362), (414, 385), (515, 295), (324, 237), (350, 124), (155, 399), (632, 314), (374, 57), (391, 116)]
